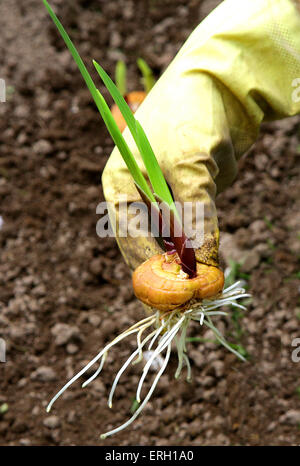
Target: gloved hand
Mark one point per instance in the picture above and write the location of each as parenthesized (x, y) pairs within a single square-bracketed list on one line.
[(238, 68)]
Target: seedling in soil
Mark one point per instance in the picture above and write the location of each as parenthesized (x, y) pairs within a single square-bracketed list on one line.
[(240, 349), (199, 287), (271, 245), (234, 273), (3, 409), (148, 78), (107, 309), (268, 223)]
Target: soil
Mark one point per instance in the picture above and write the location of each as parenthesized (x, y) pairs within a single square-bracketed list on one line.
[(58, 302)]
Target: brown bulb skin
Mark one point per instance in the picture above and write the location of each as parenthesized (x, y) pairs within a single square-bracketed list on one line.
[(160, 283)]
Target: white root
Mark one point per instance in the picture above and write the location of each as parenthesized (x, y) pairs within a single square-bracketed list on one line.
[(147, 398), (167, 328)]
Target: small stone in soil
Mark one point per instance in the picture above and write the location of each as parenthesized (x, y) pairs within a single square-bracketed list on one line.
[(52, 422), (44, 374)]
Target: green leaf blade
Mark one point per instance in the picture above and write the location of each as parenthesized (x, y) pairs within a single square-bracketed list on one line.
[(103, 109), (153, 169), (86, 76), (123, 147), (121, 77), (148, 78), (118, 98)]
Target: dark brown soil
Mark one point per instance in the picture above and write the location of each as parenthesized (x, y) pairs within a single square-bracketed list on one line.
[(58, 301)]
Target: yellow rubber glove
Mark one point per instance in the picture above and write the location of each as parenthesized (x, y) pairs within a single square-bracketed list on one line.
[(239, 67)]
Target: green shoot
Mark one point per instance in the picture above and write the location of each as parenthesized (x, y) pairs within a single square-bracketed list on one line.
[(240, 349), (271, 245), (231, 277), (268, 223), (269, 260), (103, 109), (10, 90), (107, 309), (155, 174), (236, 318), (123, 147), (148, 78), (121, 77), (3, 409), (235, 273)]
